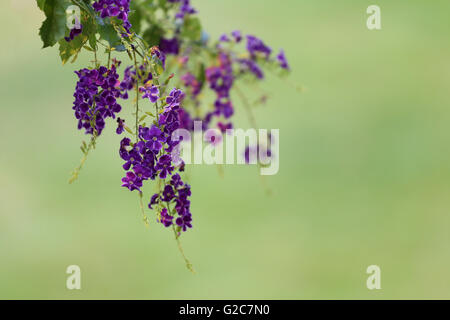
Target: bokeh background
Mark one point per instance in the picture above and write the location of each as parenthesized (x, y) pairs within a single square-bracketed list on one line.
[(364, 168)]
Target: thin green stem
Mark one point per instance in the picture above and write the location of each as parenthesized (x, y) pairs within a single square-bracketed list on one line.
[(76, 171), (180, 248), (141, 204), (137, 95), (252, 121)]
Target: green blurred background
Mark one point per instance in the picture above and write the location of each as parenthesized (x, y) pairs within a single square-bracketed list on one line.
[(364, 168)]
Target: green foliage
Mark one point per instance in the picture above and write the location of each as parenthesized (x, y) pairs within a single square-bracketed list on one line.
[(107, 32), (192, 29), (153, 35), (53, 28), (135, 16), (68, 50)]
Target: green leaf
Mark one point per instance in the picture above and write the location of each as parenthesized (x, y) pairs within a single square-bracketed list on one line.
[(41, 4), (135, 16), (192, 29), (108, 33), (153, 35), (53, 28), (129, 130), (71, 49)]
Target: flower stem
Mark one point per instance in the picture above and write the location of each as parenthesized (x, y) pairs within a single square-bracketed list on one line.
[(144, 217), (77, 170), (180, 248), (137, 95)]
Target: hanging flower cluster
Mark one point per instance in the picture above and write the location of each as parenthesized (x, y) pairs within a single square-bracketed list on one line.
[(96, 95), (166, 44), (114, 8)]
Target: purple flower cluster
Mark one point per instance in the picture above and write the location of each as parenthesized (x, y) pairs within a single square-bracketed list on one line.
[(190, 81), (151, 158), (73, 33), (249, 65), (150, 92), (114, 8), (256, 46), (129, 79), (221, 79), (185, 8), (96, 96), (282, 60), (175, 192)]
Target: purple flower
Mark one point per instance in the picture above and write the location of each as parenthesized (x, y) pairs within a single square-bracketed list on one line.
[(164, 166), (114, 8), (154, 138), (190, 81), (184, 222), (185, 8), (168, 193), (256, 45), (169, 46), (120, 125), (157, 53), (224, 38), (176, 181), (251, 66), (224, 127), (174, 99), (166, 218), (282, 60), (152, 93), (132, 158), (95, 98), (142, 172), (237, 35), (131, 181), (73, 33), (154, 200)]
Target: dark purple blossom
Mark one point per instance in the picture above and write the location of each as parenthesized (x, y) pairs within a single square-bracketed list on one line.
[(166, 218), (169, 46), (154, 200), (96, 96), (176, 181), (168, 194), (164, 166), (281, 57), (237, 35), (185, 8), (120, 125), (114, 8), (150, 92), (73, 33), (132, 182), (256, 45), (184, 222), (154, 137), (252, 67)]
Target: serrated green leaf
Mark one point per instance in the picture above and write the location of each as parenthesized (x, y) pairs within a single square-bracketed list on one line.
[(53, 28)]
